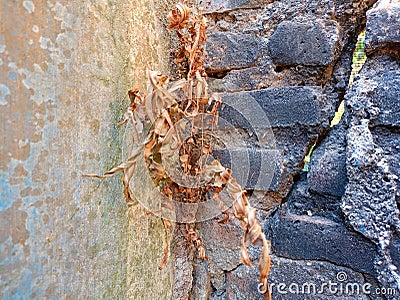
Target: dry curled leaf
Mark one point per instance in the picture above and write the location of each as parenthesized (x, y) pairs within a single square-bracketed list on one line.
[(177, 17)]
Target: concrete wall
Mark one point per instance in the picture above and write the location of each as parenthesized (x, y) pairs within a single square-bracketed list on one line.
[(66, 67)]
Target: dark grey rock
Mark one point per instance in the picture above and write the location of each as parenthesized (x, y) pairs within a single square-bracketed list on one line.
[(293, 144), (297, 117), (369, 202), (283, 107), (301, 201), (327, 171), (328, 175), (375, 93), (383, 26), (244, 79), (386, 97), (263, 22), (389, 140), (242, 283), (316, 238), (227, 51), (252, 168), (312, 44)]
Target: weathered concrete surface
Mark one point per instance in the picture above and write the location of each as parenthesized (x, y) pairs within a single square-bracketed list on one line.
[(65, 68)]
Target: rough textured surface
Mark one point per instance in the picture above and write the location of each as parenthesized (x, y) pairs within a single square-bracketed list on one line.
[(327, 174), (183, 256), (65, 69), (299, 43), (283, 107), (282, 119), (383, 27), (336, 24), (252, 168), (226, 51), (317, 238), (395, 250), (389, 140), (369, 202), (299, 280), (353, 169)]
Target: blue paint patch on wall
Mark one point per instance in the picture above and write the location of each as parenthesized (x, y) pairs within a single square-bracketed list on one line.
[(12, 76), (2, 47), (6, 199), (26, 283), (4, 91)]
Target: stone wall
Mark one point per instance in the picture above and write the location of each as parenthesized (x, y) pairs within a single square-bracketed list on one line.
[(65, 70), (294, 59)]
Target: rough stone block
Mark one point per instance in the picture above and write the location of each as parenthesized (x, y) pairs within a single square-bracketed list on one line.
[(302, 202), (389, 141), (222, 243), (375, 95), (242, 283), (327, 175), (201, 286), (369, 202), (316, 238), (296, 280), (311, 44), (282, 107), (253, 168), (227, 51), (386, 98), (383, 26)]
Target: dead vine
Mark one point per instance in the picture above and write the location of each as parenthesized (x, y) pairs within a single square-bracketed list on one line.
[(168, 111)]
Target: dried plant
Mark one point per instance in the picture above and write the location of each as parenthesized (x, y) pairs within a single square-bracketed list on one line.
[(180, 118)]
